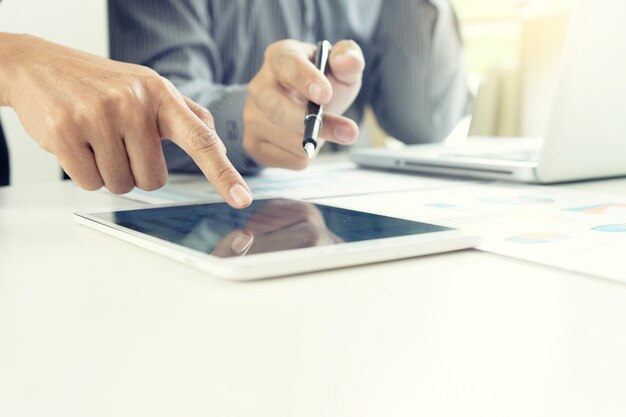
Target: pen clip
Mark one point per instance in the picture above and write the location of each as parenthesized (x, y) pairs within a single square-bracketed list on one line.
[(322, 55)]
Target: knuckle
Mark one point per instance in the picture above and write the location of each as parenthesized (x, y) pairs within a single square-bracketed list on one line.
[(61, 118), (205, 115), (83, 172), (162, 90), (143, 70), (204, 139), (154, 181), (46, 144), (158, 85), (121, 186), (90, 184), (59, 123), (290, 70), (151, 184), (60, 146), (163, 83), (225, 174), (130, 94), (125, 98), (274, 48), (160, 181), (87, 113)]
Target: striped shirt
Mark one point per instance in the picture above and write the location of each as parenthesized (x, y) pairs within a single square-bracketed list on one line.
[(210, 49)]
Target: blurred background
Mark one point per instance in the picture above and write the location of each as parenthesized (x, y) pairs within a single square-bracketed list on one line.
[(513, 49)]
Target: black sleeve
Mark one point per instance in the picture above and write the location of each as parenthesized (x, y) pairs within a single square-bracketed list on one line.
[(4, 159)]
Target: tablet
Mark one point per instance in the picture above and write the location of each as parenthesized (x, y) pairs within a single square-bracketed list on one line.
[(274, 237)]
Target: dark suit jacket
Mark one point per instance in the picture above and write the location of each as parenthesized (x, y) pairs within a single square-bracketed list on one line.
[(4, 160)]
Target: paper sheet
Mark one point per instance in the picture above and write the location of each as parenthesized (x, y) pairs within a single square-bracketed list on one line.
[(319, 181), (580, 232)]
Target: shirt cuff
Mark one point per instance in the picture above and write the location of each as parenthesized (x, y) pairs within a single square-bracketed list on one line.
[(227, 112), (228, 115)]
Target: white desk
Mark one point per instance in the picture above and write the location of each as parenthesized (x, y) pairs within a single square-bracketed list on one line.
[(91, 326)]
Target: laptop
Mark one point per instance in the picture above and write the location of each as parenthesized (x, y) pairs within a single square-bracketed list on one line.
[(586, 136)]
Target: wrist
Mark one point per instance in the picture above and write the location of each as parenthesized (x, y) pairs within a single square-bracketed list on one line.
[(11, 53)]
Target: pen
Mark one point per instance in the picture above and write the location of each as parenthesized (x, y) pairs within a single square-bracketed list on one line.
[(315, 112)]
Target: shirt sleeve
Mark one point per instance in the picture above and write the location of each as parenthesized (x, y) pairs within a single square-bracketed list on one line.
[(173, 37), (418, 87)]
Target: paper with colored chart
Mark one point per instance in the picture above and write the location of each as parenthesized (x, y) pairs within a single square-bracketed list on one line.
[(577, 231)]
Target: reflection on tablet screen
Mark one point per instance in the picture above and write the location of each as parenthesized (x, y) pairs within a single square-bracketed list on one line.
[(266, 226)]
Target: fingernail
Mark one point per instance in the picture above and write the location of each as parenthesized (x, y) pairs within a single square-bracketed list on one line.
[(344, 134), (315, 92), (241, 243), (240, 195)]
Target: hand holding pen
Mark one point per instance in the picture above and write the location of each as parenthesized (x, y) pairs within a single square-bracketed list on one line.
[(278, 95)]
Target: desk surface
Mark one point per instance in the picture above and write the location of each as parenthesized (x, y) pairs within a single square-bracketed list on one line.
[(91, 326)]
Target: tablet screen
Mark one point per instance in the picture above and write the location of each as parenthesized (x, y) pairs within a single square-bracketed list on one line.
[(266, 226)]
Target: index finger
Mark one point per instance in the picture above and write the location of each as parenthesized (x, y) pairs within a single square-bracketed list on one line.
[(291, 62), (200, 141)]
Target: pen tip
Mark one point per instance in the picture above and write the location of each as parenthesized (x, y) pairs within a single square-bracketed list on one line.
[(310, 150)]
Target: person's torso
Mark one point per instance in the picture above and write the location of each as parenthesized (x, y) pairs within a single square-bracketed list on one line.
[(244, 28)]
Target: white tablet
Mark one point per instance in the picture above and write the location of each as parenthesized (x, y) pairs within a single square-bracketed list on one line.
[(274, 237)]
